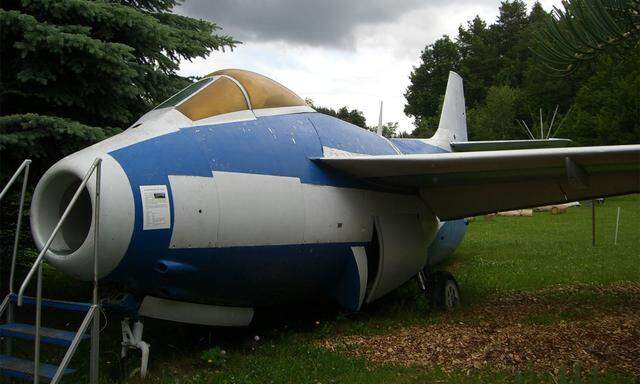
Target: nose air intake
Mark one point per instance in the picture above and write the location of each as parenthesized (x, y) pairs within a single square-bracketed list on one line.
[(53, 201), (72, 248)]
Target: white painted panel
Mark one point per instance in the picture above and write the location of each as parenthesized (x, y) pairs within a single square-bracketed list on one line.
[(259, 209), (226, 118), (153, 124), (390, 203), (195, 207), (334, 152), (360, 256), (282, 110), (352, 212), (320, 221), (191, 313), (335, 215), (403, 252)]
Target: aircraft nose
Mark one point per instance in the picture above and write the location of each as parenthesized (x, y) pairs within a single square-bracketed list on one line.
[(73, 247)]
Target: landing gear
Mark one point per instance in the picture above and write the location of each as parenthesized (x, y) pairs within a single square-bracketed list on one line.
[(132, 339), (440, 288)]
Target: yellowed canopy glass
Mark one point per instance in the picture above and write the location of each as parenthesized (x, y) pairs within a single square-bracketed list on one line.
[(231, 90), (220, 97), (262, 91)]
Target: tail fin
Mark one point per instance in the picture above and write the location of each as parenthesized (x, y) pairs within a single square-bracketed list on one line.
[(453, 120)]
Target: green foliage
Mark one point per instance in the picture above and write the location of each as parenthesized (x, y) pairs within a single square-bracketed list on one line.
[(389, 129), (46, 136), (356, 117), (607, 106), (353, 116), (429, 80), (585, 28), (496, 118), (505, 82), (74, 72), (214, 357)]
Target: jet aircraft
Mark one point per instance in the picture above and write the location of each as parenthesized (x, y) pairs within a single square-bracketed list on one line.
[(234, 194)]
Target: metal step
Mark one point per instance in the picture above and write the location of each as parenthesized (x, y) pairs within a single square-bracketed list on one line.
[(23, 369), (47, 335), (59, 304)]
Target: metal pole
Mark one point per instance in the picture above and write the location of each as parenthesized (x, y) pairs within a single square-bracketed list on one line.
[(16, 240), (14, 177), (96, 232), (74, 344), (46, 246), (615, 238), (379, 131), (36, 362), (593, 222), (95, 327), (18, 225), (552, 120), (541, 126)]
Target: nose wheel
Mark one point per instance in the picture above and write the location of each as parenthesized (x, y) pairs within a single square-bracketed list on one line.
[(440, 288)]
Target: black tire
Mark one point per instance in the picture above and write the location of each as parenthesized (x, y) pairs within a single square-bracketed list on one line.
[(443, 291)]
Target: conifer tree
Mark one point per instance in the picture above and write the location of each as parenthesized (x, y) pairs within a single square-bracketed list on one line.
[(76, 71), (73, 72), (584, 28)]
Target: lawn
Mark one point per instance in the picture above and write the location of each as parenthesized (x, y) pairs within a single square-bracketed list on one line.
[(539, 271)]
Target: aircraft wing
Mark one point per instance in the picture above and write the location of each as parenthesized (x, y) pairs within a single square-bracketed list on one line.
[(457, 185), (501, 145)]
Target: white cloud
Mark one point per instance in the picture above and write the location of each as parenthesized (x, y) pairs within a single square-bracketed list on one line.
[(376, 68)]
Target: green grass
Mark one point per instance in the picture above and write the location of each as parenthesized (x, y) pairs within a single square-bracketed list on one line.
[(543, 250), (497, 257)]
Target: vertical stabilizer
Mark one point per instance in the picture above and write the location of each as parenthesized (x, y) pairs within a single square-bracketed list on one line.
[(453, 120)]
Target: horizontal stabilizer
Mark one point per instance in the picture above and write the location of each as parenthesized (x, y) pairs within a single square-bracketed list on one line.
[(501, 145), (457, 185)]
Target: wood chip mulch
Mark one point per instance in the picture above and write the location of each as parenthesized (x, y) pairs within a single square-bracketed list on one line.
[(507, 334)]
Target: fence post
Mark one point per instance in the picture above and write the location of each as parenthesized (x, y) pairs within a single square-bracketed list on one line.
[(615, 238)]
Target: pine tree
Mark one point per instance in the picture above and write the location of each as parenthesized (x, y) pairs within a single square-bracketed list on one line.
[(478, 60), (584, 28), (511, 41), (74, 72)]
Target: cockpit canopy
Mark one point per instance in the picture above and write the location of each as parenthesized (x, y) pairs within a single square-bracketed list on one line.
[(231, 90)]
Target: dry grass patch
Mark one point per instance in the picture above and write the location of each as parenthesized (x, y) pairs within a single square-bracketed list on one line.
[(597, 327)]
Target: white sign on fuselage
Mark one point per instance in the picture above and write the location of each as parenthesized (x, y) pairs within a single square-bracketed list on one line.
[(155, 207)]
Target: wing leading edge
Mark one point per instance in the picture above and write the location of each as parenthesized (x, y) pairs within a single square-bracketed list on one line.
[(457, 185)]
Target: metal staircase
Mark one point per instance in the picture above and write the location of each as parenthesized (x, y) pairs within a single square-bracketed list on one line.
[(34, 370)]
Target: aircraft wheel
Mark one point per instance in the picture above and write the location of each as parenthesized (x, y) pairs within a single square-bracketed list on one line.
[(443, 290)]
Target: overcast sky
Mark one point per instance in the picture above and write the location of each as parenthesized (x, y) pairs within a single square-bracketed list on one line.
[(336, 52)]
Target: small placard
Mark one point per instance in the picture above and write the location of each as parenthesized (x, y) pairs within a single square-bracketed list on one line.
[(155, 207)]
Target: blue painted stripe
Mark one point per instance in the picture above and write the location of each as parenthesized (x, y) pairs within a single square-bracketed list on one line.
[(346, 291), (238, 276), (337, 134)]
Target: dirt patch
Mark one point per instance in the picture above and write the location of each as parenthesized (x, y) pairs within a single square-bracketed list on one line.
[(596, 327)]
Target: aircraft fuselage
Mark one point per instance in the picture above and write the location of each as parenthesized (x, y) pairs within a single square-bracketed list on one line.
[(239, 214)]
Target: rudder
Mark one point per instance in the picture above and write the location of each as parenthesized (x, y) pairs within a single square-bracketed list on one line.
[(453, 119)]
